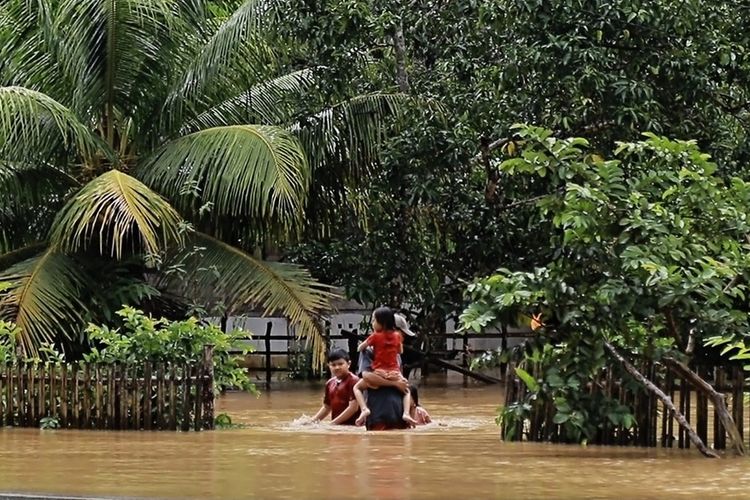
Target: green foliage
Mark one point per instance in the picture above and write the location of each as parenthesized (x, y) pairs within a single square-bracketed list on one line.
[(653, 238), (142, 338), (49, 423), (648, 250)]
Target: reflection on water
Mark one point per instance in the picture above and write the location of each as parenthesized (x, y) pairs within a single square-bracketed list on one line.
[(274, 458)]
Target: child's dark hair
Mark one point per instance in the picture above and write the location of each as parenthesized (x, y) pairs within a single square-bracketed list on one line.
[(384, 316), (338, 354)]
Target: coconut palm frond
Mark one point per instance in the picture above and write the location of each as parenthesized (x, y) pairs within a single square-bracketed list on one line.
[(222, 272), (250, 170), (42, 298), (116, 211), (32, 123), (235, 52), (268, 103)]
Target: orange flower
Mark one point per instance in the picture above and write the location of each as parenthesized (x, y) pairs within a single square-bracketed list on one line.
[(536, 321)]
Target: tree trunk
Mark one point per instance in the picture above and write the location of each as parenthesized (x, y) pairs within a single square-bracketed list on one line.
[(399, 46), (718, 399), (664, 398)]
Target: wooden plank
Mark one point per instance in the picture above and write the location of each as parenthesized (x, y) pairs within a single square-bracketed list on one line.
[(186, 386), (86, 397), (147, 395), (208, 387), (160, 396), (53, 391), (137, 406), (738, 381), (64, 396), (173, 398), (198, 402), (111, 394), (701, 410), (719, 436), (98, 404), (269, 327), (9, 404), (34, 395), (22, 414), (122, 395), (3, 403), (76, 422)]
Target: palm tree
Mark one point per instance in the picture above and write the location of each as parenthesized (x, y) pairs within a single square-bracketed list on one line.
[(148, 148)]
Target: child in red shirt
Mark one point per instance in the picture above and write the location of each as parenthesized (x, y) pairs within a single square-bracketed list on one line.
[(387, 344), (339, 395)]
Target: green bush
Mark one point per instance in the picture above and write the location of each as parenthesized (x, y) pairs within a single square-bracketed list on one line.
[(142, 338)]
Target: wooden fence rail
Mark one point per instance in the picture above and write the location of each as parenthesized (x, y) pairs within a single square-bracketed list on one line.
[(655, 425), (149, 396)]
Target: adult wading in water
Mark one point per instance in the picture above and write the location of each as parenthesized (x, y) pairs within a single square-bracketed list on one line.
[(386, 403)]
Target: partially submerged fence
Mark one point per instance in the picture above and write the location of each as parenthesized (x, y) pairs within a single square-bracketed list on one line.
[(147, 396), (655, 425)]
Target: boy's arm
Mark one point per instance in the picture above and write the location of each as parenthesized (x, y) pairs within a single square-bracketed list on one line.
[(322, 413), (346, 414)]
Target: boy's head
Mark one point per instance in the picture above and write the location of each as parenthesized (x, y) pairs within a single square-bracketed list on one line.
[(383, 319), (338, 362)]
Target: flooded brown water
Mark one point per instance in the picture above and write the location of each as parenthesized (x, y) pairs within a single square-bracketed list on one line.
[(274, 458)]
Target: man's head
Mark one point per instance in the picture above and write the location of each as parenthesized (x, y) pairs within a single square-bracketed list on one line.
[(402, 325), (339, 362)]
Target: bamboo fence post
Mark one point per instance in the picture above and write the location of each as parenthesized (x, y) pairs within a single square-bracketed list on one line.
[(42, 391), (701, 409), (670, 421), (160, 395), (208, 386), (185, 425), (269, 327)]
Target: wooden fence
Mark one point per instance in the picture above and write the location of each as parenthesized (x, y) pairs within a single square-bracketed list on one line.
[(655, 425), (353, 338), (147, 396)]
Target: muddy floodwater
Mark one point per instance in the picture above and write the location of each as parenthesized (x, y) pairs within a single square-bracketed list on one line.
[(275, 458)]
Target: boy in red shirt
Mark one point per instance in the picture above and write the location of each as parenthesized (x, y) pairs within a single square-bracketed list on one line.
[(339, 398), (386, 344)]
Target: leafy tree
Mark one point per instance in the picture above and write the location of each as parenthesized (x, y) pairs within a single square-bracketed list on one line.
[(150, 148), (648, 250)]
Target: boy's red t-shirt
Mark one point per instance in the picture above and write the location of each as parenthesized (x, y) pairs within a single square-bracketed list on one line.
[(338, 395), (386, 346)]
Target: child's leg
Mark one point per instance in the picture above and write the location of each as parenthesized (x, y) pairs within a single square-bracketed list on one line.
[(374, 381), (364, 411), (407, 406)]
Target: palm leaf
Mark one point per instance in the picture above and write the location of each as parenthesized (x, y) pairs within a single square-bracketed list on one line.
[(249, 170), (115, 210), (43, 298), (235, 52), (32, 122), (221, 272), (269, 103)]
